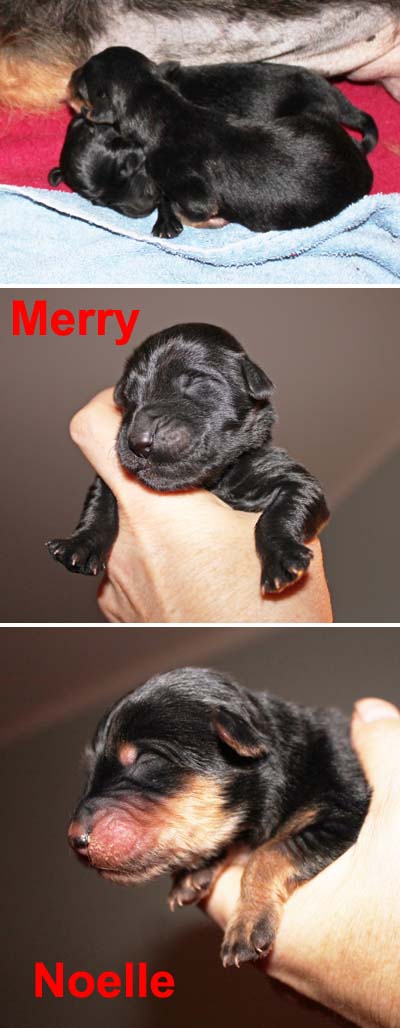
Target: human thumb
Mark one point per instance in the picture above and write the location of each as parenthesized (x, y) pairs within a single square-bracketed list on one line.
[(94, 429), (376, 738)]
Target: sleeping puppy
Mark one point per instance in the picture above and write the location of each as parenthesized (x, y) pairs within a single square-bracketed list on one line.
[(106, 169), (190, 772), (197, 413), (260, 92), (294, 173)]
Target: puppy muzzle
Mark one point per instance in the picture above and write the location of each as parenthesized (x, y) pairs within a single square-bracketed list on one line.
[(158, 437), (115, 837)]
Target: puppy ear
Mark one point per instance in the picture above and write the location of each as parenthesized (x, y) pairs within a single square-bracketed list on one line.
[(167, 69), (258, 384), (54, 177), (119, 392), (129, 158), (237, 732)]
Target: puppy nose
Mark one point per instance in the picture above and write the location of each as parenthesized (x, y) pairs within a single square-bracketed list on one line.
[(78, 838), (141, 441)]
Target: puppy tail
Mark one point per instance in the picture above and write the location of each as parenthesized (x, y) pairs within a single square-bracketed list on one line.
[(362, 122), (369, 129), (35, 78)]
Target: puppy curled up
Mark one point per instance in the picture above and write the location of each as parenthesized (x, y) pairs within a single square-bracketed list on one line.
[(258, 145), (191, 771), (198, 413), (107, 169)]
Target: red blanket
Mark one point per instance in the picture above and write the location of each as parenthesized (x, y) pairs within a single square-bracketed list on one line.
[(30, 144)]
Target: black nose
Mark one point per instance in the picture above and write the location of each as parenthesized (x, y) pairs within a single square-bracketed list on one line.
[(141, 441), (78, 838)]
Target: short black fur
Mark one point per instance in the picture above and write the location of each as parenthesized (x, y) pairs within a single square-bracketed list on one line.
[(197, 412), (256, 93), (293, 170), (108, 170)]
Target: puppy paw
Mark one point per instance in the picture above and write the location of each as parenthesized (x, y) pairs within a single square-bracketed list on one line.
[(167, 228), (77, 554), (247, 938), (286, 563), (191, 888)]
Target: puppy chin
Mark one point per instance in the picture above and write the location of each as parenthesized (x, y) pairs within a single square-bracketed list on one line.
[(167, 478), (125, 877), (130, 211)]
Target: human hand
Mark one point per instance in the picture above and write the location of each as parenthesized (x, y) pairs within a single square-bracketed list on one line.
[(188, 556), (339, 939)]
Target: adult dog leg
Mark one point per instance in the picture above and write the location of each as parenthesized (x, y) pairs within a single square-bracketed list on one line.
[(36, 78)]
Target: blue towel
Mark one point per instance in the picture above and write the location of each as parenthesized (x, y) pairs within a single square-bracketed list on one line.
[(58, 238)]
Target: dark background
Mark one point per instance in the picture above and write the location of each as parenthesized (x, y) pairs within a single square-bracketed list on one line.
[(55, 683), (334, 356)]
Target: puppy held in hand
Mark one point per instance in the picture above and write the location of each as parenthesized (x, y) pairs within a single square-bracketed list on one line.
[(104, 168), (190, 772), (294, 172), (197, 413)]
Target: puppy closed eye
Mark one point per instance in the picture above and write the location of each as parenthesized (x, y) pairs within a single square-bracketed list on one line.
[(193, 385)]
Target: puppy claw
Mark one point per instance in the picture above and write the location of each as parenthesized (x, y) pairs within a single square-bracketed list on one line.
[(76, 554), (246, 942), (191, 888), (284, 566)]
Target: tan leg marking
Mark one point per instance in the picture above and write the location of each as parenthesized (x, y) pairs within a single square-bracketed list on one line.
[(268, 880)]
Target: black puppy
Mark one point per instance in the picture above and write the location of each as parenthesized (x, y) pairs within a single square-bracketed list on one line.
[(190, 771), (106, 169), (297, 171), (260, 92), (197, 412)]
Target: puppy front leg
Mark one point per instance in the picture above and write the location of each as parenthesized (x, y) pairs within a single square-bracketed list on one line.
[(196, 205), (167, 225), (193, 886), (268, 880), (86, 550), (295, 511), (306, 844)]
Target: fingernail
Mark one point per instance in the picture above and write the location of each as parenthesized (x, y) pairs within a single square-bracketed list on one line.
[(376, 710)]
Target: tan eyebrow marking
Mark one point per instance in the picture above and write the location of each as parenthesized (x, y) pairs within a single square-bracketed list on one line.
[(127, 754)]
